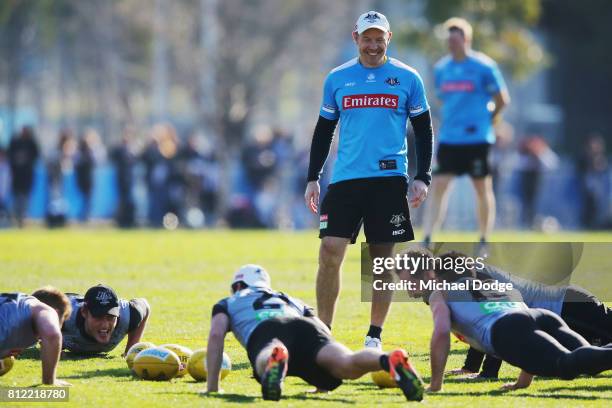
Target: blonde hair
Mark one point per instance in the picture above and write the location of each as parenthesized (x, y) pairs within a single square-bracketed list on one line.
[(460, 24)]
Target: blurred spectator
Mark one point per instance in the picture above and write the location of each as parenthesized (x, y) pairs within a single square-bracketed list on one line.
[(535, 157), (84, 165), (260, 158), (22, 153), (500, 154), (124, 160), (200, 170), (163, 176), (593, 172), (5, 186), (59, 164)]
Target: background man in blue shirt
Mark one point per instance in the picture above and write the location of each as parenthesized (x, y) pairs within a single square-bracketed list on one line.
[(467, 83), (373, 97)]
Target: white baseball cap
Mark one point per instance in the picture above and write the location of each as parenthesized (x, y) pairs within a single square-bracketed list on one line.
[(372, 19), (252, 275)]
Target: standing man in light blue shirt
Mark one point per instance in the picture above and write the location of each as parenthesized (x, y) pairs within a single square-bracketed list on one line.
[(373, 97), (469, 84)]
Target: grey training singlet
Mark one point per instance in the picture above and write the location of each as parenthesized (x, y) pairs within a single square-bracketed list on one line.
[(249, 307), (473, 313), (75, 341), (16, 325), (535, 294)]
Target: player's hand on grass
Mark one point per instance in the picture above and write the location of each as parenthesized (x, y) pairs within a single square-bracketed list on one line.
[(512, 386), (317, 391), (206, 393), (433, 388), (459, 371), (418, 193), (311, 196)]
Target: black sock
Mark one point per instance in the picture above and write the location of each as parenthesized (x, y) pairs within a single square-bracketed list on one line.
[(490, 367), (473, 360), (374, 331), (384, 362)]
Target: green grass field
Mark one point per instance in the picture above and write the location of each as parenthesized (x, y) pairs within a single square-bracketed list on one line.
[(184, 273)]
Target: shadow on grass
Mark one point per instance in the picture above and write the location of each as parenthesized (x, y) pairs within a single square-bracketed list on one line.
[(425, 355), (596, 388), (467, 380), (241, 366), (519, 394), (248, 399), (33, 353), (109, 372)]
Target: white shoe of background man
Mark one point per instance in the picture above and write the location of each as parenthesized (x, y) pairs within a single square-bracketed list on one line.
[(373, 342)]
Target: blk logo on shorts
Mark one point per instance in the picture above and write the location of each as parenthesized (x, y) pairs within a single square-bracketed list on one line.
[(397, 219), (323, 221)]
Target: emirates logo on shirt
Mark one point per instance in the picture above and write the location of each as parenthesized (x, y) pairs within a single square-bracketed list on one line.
[(458, 86), (388, 101)]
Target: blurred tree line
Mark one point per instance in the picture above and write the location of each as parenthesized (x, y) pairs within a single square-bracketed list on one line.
[(228, 62), (502, 30)]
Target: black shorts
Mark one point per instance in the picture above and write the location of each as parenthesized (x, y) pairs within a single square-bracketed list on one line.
[(379, 203), (303, 337), (587, 316), (472, 159)]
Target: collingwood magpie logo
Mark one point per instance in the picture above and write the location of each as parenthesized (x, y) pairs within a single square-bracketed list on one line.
[(371, 17), (392, 81), (397, 220), (103, 298)]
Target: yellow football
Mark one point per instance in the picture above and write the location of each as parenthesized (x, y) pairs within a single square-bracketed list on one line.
[(156, 363), (6, 364), (134, 350), (197, 365), (383, 379), (183, 353)]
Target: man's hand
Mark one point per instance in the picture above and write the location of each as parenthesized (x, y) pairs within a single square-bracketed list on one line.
[(206, 393), (418, 193), (311, 196), (459, 371), (61, 383), (523, 381), (433, 388)]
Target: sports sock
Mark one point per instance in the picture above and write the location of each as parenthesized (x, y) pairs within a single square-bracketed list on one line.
[(473, 360), (374, 331), (384, 362)]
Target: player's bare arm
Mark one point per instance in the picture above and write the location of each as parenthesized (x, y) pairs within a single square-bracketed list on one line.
[(440, 340), (214, 351), (47, 327), (135, 335), (501, 100)]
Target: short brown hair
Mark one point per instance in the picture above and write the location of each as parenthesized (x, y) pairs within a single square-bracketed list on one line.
[(417, 252), (56, 299), (461, 24), (450, 274)]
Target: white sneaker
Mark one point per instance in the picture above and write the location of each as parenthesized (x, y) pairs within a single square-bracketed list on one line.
[(373, 342)]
